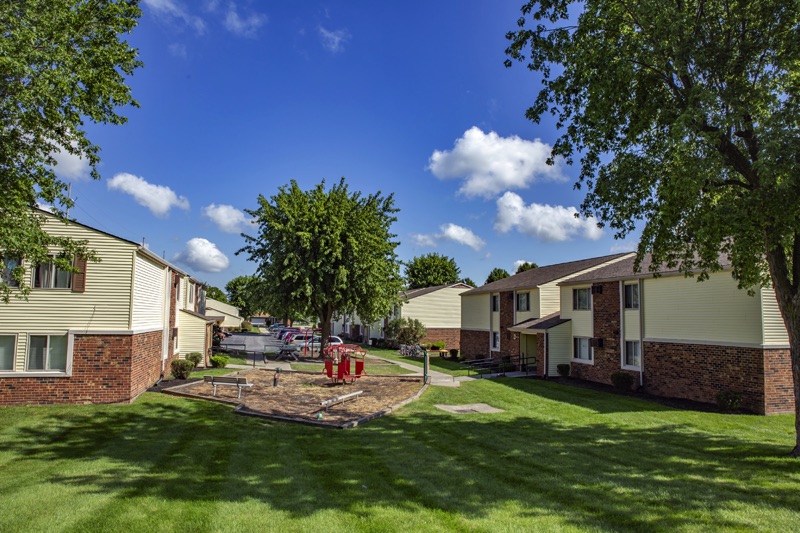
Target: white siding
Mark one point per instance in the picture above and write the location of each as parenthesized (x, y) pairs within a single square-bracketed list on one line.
[(774, 330), (148, 294), (437, 309), (191, 333), (231, 313), (559, 341), (683, 309), (632, 323), (549, 298), (533, 302), (581, 318), (475, 311)]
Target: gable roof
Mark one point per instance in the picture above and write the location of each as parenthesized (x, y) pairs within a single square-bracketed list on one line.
[(416, 293), (539, 276), (624, 270)]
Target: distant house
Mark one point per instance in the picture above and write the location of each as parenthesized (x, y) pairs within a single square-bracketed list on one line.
[(103, 335), (676, 336), (230, 314)]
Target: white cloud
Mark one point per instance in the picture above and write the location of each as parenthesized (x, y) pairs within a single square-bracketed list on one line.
[(624, 246), (203, 255), (177, 50), (159, 199), (243, 26), (70, 166), (334, 40), (490, 164), (228, 218), (546, 222), (450, 232), (170, 9)]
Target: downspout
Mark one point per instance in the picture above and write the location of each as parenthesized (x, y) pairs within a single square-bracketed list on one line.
[(641, 333)]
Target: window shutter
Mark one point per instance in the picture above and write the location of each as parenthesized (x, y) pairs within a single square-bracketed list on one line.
[(79, 277)]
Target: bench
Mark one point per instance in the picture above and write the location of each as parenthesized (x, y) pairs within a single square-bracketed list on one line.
[(231, 381), (342, 398)]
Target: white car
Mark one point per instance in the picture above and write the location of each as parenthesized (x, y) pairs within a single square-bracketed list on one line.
[(314, 345)]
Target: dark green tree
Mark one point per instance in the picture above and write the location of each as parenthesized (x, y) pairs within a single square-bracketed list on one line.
[(496, 274), (62, 63), (526, 266), (468, 281), (406, 330), (431, 269), (324, 251), (246, 293), (685, 115), (216, 293)]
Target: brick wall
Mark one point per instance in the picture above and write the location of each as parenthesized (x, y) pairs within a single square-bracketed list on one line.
[(146, 362), (451, 336), (474, 344), (778, 383), (509, 341)]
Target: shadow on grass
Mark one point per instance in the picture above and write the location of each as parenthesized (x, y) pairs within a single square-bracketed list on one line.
[(590, 473)]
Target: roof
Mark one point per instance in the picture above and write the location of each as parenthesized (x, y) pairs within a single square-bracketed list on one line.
[(416, 293), (624, 270), (539, 324), (203, 317), (539, 276)]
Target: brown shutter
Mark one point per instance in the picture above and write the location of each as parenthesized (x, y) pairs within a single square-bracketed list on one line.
[(79, 277)]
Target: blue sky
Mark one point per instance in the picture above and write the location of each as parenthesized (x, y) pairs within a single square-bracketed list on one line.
[(412, 98)]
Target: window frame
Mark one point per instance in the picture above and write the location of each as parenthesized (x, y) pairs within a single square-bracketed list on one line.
[(576, 303), (495, 303), (495, 341), (638, 355), (527, 300), (67, 371), (15, 346), (590, 351), (190, 292), (5, 274), (628, 302), (53, 271)]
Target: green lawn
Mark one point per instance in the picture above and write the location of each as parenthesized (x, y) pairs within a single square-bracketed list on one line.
[(436, 363), (557, 459)]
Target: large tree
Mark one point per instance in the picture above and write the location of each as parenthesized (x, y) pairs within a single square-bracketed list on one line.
[(247, 294), (323, 251), (62, 62), (497, 274), (215, 293), (685, 115), (431, 269), (525, 266)]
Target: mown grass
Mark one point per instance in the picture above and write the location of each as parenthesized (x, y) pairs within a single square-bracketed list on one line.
[(440, 364), (557, 459)]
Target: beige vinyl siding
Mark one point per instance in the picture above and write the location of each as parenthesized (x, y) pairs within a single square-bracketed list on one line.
[(533, 301), (148, 294), (437, 309), (549, 298), (191, 333), (683, 309), (559, 340), (774, 330), (231, 313), (632, 325), (581, 318), (475, 311)]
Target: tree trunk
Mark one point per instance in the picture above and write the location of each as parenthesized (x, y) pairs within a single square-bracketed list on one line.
[(325, 322)]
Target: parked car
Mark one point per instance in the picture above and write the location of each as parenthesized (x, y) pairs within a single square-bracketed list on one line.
[(315, 345), (284, 332)]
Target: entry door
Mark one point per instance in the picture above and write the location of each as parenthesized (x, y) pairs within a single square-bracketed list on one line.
[(529, 347)]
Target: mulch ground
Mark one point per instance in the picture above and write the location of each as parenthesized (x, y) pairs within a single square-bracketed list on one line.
[(298, 395)]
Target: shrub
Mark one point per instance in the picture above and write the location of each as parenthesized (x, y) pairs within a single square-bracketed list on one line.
[(563, 369), (622, 380), (181, 368), (194, 357), (454, 353), (438, 345), (219, 361), (247, 326), (729, 401), (406, 330)]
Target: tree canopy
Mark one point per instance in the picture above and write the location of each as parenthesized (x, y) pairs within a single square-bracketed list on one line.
[(62, 62), (324, 251), (468, 281), (527, 265), (686, 116), (430, 270), (215, 293), (496, 274), (247, 294)]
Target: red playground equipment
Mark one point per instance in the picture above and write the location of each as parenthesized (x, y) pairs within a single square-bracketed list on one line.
[(342, 356)]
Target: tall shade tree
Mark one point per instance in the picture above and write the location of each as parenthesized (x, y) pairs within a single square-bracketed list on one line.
[(685, 115), (247, 294), (496, 274), (215, 293), (324, 251), (468, 281), (431, 269), (62, 62), (527, 265)]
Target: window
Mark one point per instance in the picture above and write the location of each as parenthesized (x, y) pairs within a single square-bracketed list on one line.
[(9, 264), (495, 340), (523, 301), (632, 296), (7, 345), (178, 290), (581, 349), (190, 293), (633, 353), (49, 276), (581, 298), (47, 352), (495, 302)]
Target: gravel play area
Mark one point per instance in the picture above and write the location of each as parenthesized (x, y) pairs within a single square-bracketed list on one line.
[(298, 396)]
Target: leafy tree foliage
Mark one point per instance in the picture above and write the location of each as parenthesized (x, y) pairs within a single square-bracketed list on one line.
[(685, 115), (496, 274), (62, 62), (216, 293), (324, 251), (430, 270), (527, 265), (246, 293), (406, 330), (468, 281)]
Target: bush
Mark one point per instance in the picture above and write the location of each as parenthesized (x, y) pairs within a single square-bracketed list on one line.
[(219, 361), (454, 353), (622, 380), (194, 357), (438, 345), (406, 330), (247, 326), (181, 368), (563, 369), (729, 401)]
